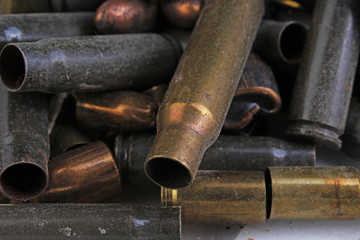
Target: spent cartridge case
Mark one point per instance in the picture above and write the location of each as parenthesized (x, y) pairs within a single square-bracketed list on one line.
[(89, 63), (194, 108), (88, 221), (36, 26), (24, 144), (322, 92), (229, 152)]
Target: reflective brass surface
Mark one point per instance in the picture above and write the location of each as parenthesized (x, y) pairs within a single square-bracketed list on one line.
[(195, 105), (220, 197), (315, 193)]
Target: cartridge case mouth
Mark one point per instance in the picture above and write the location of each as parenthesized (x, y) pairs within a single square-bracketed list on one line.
[(292, 42), (23, 181), (12, 67)]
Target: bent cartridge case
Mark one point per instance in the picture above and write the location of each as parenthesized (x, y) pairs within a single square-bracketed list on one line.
[(84, 175), (257, 90), (24, 144), (229, 152), (314, 193), (126, 16), (322, 92), (75, 5), (36, 26), (88, 221), (351, 137), (195, 105), (182, 13), (92, 63), (28, 6), (280, 41), (220, 197), (124, 111)]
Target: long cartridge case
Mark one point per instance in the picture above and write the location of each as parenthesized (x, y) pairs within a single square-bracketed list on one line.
[(314, 193), (220, 197), (322, 92), (229, 152), (91, 63), (36, 26), (195, 105), (84, 175), (24, 144), (125, 16), (88, 221), (280, 41)]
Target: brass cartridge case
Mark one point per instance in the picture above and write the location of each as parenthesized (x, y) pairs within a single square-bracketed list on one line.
[(89, 221), (314, 192), (182, 13), (322, 92), (220, 197), (257, 90), (126, 16), (195, 105), (89, 63), (84, 175)]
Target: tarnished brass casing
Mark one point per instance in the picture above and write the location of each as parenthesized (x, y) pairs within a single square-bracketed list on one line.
[(220, 197), (314, 193), (195, 105)]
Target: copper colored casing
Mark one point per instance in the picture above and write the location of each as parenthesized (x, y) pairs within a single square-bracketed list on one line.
[(220, 197), (195, 105)]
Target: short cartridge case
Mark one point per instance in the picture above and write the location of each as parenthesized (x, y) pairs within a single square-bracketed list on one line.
[(24, 144), (84, 175), (89, 63), (229, 152), (314, 192), (36, 26), (198, 98), (322, 92), (89, 221), (220, 197)]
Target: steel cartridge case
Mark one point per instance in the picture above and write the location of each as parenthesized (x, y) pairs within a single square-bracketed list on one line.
[(84, 175), (220, 197), (322, 92), (125, 16), (91, 63), (281, 42), (229, 152), (198, 98), (314, 193), (24, 144), (36, 26), (88, 221)]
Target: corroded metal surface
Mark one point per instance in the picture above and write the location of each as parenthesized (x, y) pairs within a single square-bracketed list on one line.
[(91, 63), (89, 221), (314, 193), (220, 197), (322, 92), (195, 105)]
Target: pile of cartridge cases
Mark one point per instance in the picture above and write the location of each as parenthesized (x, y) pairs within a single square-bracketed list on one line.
[(220, 103)]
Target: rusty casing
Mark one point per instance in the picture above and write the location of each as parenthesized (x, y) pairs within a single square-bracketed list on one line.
[(89, 221), (351, 137), (198, 98), (257, 90), (126, 16), (314, 192), (182, 13), (89, 63), (280, 41), (28, 6), (36, 26), (87, 174), (229, 152), (24, 144), (322, 92), (220, 197)]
